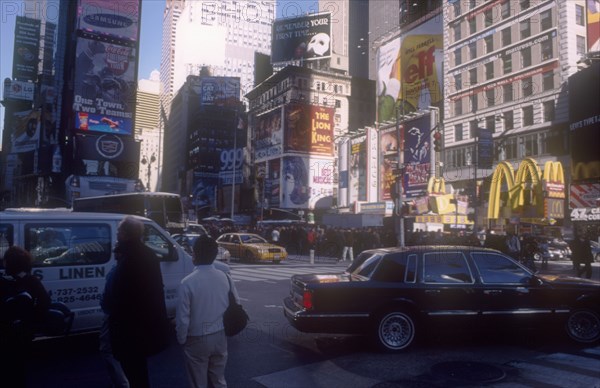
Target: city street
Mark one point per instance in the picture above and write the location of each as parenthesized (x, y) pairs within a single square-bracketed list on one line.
[(270, 353)]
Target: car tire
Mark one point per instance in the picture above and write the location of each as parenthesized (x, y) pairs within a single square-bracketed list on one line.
[(394, 331), (583, 326)]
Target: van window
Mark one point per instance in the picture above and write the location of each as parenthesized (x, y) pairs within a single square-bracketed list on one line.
[(6, 238), (156, 241), (68, 244)]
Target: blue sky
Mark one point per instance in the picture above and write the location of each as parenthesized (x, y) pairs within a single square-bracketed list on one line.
[(151, 31)]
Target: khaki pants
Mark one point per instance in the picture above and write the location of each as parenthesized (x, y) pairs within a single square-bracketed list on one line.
[(206, 356)]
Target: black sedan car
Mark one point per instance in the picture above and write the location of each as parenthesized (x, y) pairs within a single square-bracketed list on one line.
[(397, 294)]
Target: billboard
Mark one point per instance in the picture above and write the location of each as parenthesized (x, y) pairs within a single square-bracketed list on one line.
[(308, 129), (18, 90), (320, 177), (358, 169), (220, 91), (409, 71), (27, 48), (105, 87), (116, 18), (26, 131), (593, 25), (306, 182), (302, 38), (107, 147), (388, 161), (417, 156), (273, 183), (268, 134), (205, 188)]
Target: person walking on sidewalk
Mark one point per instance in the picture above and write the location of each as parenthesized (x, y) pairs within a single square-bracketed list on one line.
[(582, 254), (348, 245)]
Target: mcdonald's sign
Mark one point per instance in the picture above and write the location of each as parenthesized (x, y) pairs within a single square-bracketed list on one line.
[(554, 208)]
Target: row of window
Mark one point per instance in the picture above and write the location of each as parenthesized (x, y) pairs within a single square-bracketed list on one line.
[(508, 148), (507, 9)]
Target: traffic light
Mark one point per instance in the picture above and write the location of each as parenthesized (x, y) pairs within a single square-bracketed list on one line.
[(437, 141)]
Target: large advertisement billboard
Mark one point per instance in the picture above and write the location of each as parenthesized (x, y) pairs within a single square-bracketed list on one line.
[(26, 131), (593, 25), (107, 147), (268, 140), (220, 91), (303, 38), (116, 18), (308, 129), (105, 87), (388, 160), (306, 182), (409, 72), (358, 169), (417, 156), (320, 183), (27, 48)]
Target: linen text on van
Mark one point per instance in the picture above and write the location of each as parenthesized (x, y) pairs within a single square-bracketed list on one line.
[(82, 273)]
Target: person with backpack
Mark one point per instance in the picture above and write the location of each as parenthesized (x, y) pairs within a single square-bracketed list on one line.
[(24, 303)]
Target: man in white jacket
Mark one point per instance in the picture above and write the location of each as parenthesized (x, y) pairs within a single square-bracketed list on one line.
[(203, 298)]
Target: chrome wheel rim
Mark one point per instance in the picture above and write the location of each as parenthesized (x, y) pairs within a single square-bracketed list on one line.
[(584, 326), (396, 331)]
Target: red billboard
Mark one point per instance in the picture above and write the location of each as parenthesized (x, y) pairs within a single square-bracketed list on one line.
[(308, 129)]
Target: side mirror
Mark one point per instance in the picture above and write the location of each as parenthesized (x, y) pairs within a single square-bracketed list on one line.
[(535, 281)]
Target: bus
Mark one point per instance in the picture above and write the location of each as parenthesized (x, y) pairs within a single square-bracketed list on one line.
[(165, 209)]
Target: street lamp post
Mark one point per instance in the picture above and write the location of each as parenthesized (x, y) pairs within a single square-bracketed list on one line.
[(149, 163)]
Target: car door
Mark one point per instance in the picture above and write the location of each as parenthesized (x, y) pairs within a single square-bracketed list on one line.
[(510, 294), (448, 289)]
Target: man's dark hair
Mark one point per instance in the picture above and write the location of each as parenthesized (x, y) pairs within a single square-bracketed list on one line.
[(205, 250), (17, 260)]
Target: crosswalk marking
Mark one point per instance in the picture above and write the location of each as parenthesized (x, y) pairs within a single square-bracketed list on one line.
[(595, 351), (554, 376), (576, 361), (267, 274)]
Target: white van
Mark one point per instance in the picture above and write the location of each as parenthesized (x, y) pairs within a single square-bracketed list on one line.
[(73, 252)]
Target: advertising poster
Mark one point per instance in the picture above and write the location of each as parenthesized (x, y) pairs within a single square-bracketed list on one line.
[(268, 135), (26, 131), (107, 147), (417, 156), (593, 25), (388, 159), (273, 183), (320, 183), (205, 188), (18, 90), (105, 87), (49, 43), (302, 38), (308, 129), (116, 18), (220, 91), (410, 71), (295, 189), (27, 48), (358, 169), (485, 148)]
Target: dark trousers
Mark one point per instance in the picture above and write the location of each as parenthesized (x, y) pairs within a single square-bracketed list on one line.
[(135, 366), (587, 269)]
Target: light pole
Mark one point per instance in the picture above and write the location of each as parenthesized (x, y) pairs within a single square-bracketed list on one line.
[(149, 163), (238, 126)]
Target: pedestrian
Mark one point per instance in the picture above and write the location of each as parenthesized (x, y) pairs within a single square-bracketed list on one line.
[(582, 254), (138, 323), (513, 245), (348, 245), (24, 303), (203, 299), (115, 371), (275, 235)]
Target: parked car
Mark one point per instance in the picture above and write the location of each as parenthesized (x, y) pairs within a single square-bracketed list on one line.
[(396, 295), (545, 247), (251, 247), (595, 250), (187, 241)]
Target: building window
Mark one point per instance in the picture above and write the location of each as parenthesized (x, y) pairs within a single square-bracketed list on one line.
[(473, 128), (506, 37), (525, 28), (579, 18), (472, 25), (473, 76), (548, 80), (527, 86), (457, 57), (509, 120), (457, 10), (458, 107), (547, 50), (530, 146), (507, 64), (526, 57), (489, 70), (338, 104), (458, 132), (473, 101), (546, 20), (457, 34), (549, 111), (489, 43), (507, 92), (524, 4), (488, 17), (458, 81), (472, 4), (473, 50), (490, 123), (527, 115), (490, 96), (505, 11), (580, 45)]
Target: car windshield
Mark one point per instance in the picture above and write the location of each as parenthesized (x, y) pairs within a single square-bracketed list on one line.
[(252, 239)]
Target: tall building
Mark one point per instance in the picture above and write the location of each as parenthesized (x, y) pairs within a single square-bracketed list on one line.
[(383, 20), (507, 65), (147, 131)]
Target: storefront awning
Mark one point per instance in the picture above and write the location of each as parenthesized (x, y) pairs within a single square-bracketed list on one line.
[(444, 219)]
